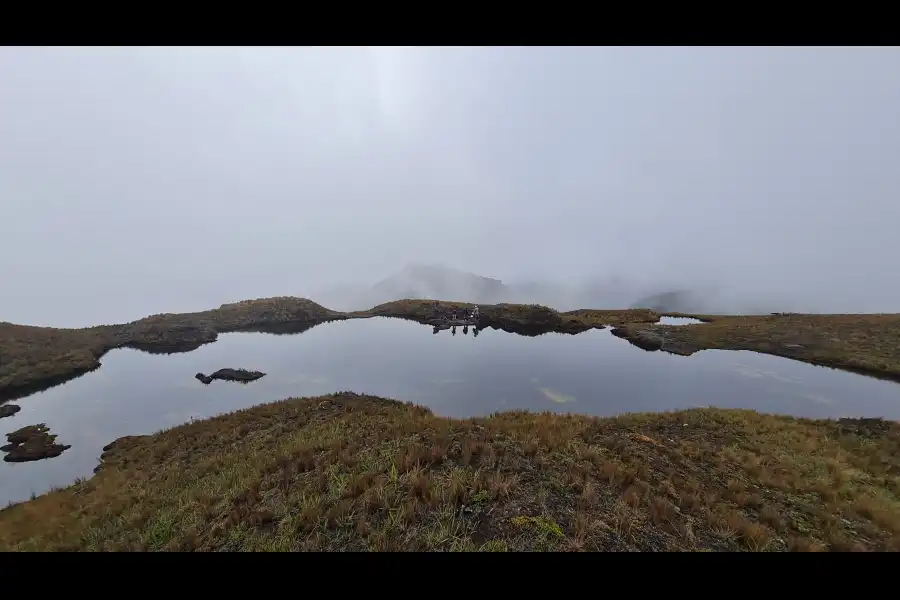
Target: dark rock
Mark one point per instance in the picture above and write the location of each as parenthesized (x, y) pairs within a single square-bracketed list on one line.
[(8, 410), (239, 375), (33, 442)]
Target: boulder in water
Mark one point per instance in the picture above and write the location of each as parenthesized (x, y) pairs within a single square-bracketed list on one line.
[(8, 410)]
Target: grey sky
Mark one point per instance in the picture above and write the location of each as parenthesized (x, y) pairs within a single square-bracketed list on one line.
[(151, 179)]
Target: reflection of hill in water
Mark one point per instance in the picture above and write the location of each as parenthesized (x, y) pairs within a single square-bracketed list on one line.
[(279, 328)]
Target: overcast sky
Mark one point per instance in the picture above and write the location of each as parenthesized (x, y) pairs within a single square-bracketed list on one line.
[(144, 180)]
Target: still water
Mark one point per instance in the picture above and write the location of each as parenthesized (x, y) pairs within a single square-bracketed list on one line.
[(678, 321), (593, 373)]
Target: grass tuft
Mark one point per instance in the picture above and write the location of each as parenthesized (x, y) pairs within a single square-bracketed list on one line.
[(353, 472)]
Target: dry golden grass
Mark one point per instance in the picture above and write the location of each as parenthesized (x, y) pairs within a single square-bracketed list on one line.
[(351, 472), (592, 318), (32, 358), (868, 344)]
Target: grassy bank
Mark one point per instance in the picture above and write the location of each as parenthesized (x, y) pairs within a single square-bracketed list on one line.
[(34, 358), (349, 472), (868, 344), (524, 319)]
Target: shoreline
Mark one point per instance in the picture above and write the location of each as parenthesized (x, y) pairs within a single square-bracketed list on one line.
[(351, 472), (34, 359)]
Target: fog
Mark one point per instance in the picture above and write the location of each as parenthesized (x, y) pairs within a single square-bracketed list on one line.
[(144, 180)]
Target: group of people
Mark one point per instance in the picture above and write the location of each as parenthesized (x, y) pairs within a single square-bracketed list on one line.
[(464, 314), (457, 314)]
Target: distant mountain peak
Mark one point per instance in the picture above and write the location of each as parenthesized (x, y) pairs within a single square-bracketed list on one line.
[(417, 280), (435, 269)]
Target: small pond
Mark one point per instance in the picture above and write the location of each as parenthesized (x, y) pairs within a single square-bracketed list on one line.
[(678, 321), (456, 375)]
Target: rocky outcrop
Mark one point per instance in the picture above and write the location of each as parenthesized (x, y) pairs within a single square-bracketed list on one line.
[(33, 442), (239, 375), (8, 410)]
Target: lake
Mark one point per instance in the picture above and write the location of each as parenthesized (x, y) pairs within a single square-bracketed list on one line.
[(455, 375)]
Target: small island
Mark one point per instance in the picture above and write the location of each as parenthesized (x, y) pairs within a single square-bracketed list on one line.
[(239, 375), (30, 443), (8, 410)]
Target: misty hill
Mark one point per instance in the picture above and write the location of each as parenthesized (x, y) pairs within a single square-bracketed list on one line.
[(446, 283), (719, 301), (439, 282), (610, 292), (416, 281), (674, 301), (422, 281)]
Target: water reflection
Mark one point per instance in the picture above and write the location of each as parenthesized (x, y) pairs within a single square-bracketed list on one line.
[(593, 372), (437, 329)]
